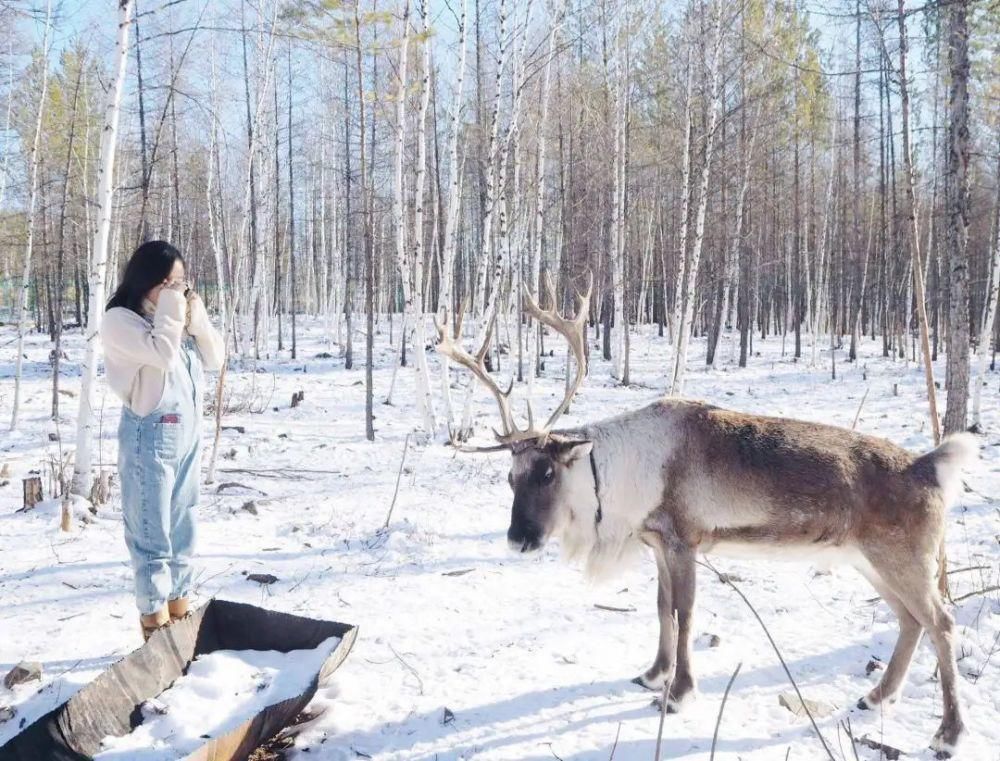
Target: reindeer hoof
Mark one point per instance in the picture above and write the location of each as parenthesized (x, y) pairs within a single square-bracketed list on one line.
[(875, 699), (672, 705), (946, 741), (645, 682)]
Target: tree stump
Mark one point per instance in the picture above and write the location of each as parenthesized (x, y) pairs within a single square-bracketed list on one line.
[(32, 491), (100, 491), (66, 518)]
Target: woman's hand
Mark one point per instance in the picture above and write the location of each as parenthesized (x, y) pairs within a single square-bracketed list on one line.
[(197, 315)]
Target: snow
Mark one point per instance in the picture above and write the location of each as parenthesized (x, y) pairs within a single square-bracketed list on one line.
[(220, 691), (512, 646)]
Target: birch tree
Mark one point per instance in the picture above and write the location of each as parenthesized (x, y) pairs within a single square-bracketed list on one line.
[(957, 175), (99, 254), (34, 161), (451, 215), (425, 402), (691, 263)]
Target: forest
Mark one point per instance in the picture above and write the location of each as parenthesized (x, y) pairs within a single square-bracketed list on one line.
[(727, 171)]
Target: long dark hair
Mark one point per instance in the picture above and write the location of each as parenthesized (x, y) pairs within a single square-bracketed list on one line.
[(149, 265)]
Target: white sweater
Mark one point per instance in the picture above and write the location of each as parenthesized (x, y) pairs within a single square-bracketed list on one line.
[(137, 354)]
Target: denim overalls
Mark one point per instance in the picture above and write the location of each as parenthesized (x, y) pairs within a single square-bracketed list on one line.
[(159, 462)]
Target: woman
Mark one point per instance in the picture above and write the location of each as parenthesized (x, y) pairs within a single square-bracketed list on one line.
[(157, 338)]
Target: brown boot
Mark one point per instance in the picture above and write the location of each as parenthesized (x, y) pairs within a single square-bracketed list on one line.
[(150, 623), (178, 609)]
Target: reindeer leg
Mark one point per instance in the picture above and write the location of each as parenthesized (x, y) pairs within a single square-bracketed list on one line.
[(927, 607), (888, 689), (675, 594), (916, 587), (682, 577), (664, 664)]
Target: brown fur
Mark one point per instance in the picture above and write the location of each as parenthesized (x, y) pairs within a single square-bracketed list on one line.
[(742, 480)]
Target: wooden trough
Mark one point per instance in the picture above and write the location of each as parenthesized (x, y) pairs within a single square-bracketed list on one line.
[(110, 705)]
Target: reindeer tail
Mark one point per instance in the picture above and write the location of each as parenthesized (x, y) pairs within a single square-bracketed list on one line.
[(954, 454)]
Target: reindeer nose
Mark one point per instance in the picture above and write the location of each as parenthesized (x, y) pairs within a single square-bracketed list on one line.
[(522, 543)]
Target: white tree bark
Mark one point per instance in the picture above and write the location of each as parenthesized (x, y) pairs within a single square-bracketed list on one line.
[(218, 254), (6, 128), (398, 193), (820, 296), (492, 194), (619, 343), (34, 161), (425, 401), (536, 250), (451, 214), (99, 256), (682, 252), (691, 274), (730, 267)]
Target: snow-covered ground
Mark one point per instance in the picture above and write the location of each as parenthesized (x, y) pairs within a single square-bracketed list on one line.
[(511, 649), (244, 681)]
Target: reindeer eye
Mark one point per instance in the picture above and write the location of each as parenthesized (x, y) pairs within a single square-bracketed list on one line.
[(549, 472)]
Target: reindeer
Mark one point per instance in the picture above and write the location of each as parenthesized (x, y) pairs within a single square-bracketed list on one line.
[(683, 477)]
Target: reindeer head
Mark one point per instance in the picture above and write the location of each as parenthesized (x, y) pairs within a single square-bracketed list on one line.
[(550, 474), (553, 486)]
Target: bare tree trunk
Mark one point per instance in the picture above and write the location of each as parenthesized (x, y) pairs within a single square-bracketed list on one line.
[(918, 273), (620, 345), (368, 242), (451, 217), (689, 296), (425, 402), (989, 308), (61, 242), (957, 173), (34, 161), (916, 266), (99, 256), (730, 269), (348, 252), (678, 305), (493, 197), (291, 212), (822, 265), (534, 274), (6, 129)]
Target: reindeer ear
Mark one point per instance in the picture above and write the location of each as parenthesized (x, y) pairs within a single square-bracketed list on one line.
[(568, 451)]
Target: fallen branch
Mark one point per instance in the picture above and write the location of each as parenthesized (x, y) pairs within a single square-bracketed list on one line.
[(614, 747), (892, 754), (260, 471), (850, 735), (857, 414), (408, 667), (399, 477), (613, 609), (971, 568), (718, 720), (974, 592)]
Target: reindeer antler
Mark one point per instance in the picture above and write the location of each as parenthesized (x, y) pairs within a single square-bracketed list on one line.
[(448, 346), (571, 329)]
